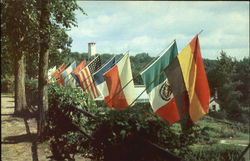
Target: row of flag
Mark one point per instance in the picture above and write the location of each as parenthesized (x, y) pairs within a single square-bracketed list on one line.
[(176, 84)]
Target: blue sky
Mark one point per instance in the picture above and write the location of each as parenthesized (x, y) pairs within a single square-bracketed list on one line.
[(150, 26)]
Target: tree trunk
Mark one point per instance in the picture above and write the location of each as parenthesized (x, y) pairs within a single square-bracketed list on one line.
[(43, 68), (20, 97)]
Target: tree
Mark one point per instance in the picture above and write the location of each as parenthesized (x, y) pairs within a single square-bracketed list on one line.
[(43, 66), (52, 13), (16, 26), (243, 75), (138, 63), (228, 77)]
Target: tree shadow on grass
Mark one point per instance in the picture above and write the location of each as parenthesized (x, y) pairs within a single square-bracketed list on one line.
[(29, 137), (9, 107), (19, 139), (7, 114), (34, 141)]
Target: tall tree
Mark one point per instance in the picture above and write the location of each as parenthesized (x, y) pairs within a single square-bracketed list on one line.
[(43, 66), (15, 26), (52, 13)]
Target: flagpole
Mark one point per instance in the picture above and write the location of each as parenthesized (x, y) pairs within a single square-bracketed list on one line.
[(162, 52), (200, 32)]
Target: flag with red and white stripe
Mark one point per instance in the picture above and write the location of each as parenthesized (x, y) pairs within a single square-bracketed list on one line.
[(85, 77)]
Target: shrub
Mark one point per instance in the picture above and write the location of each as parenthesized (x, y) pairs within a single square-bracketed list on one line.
[(7, 84), (219, 115), (65, 122), (111, 135), (124, 132)]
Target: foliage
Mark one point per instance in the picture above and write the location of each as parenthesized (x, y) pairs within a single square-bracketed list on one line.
[(65, 121), (124, 132), (7, 83), (221, 114), (138, 63), (218, 152), (20, 32), (115, 130), (229, 77), (243, 75)]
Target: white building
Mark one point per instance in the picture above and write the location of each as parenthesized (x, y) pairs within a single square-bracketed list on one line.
[(91, 49), (214, 105), (144, 96)]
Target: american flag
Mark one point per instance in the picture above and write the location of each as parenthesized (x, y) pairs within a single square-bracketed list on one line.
[(85, 77)]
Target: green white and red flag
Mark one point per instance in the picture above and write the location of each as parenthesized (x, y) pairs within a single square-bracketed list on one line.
[(157, 86)]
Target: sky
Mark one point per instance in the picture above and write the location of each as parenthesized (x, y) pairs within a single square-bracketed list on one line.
[(150, 26)]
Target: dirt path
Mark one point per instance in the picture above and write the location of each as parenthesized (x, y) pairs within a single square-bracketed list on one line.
[(17, 136)]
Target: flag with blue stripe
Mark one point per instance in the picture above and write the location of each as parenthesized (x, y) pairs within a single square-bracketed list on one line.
[(100, 80)]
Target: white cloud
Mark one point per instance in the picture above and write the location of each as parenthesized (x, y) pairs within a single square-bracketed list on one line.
[(143, 26)]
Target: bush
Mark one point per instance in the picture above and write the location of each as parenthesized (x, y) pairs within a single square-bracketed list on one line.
[(116, 135), (218, 152), (222, 114), (7, 84), (65, 122), (110, 134), (122, 133)]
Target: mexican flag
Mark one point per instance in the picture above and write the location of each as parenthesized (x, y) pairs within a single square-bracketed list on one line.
[(157, 86)]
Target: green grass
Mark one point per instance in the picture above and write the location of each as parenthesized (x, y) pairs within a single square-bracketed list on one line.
[(223, 128)]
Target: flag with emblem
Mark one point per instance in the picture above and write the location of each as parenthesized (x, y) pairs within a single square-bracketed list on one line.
[(157, 86), (85, 77)]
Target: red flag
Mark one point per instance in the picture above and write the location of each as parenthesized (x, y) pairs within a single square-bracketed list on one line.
[(117, 77), (79, 67)]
